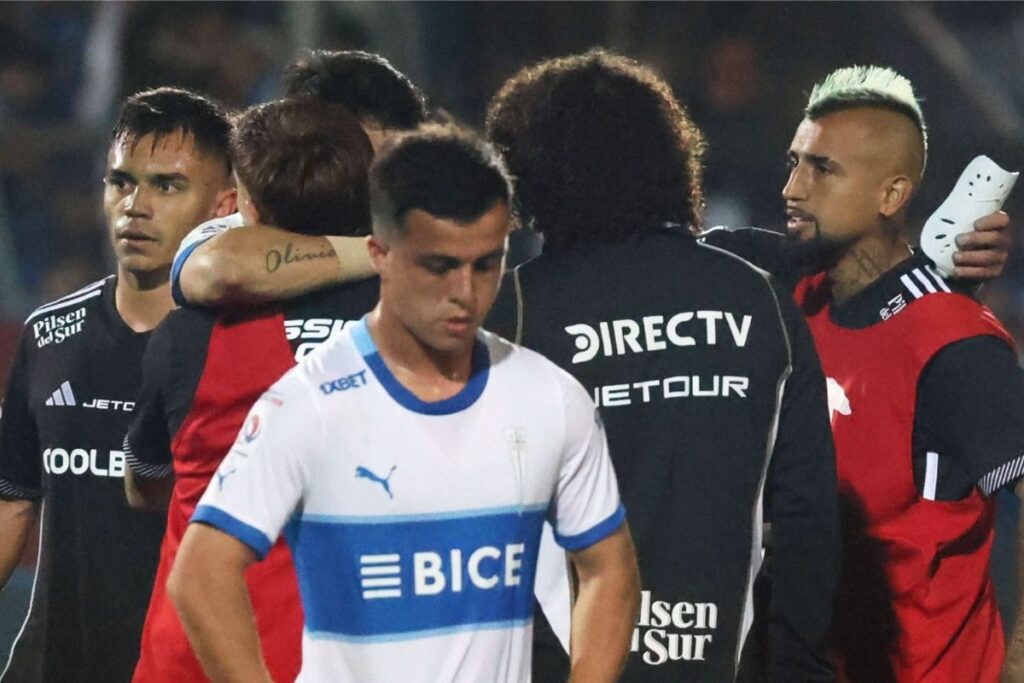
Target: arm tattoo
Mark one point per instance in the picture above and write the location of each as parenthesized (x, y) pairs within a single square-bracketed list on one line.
[(275, 258)]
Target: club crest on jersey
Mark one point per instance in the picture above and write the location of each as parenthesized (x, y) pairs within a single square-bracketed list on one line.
[(252, 429), (385, 482), (837, 399)]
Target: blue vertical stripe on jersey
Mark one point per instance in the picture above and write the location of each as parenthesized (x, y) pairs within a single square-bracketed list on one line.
[(406, 579), (481, 364)]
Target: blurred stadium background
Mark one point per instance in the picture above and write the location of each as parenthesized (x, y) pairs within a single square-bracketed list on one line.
[(743, 69)]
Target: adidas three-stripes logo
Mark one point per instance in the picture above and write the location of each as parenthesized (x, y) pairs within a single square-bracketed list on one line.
[(62, 396)]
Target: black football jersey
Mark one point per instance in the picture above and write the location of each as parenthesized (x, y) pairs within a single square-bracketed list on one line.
[(65, 413), (713, 398)]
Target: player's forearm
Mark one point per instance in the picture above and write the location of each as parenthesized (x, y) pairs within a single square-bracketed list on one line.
[(212, 600), (151, 494), (16, 520), (260, 264), (604, 615)]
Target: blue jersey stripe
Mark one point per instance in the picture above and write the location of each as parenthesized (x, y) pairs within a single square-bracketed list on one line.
[(249, 535), (396, 579), (596, 533)]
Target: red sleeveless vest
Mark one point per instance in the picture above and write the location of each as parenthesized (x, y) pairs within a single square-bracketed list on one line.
[(244, 358), (915, 600)]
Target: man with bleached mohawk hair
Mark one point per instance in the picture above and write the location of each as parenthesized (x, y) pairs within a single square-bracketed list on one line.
[(924, 392)]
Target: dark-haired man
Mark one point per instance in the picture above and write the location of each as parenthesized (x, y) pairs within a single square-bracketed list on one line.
[(924, 393), (217, 266), (704, 371), (300, 164), (413, 459), (67, 405)]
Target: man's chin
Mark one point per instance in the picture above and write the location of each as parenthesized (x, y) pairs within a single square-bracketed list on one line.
[(812, 254)]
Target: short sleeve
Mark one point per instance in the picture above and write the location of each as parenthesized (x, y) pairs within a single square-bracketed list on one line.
[(192, 241), (969, 403), (147, 445), (21, 475), (262, 480), (587, 507)]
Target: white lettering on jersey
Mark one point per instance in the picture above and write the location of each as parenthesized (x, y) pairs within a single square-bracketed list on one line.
[(54, 329), (312, 332), (434, 573), (655, 333), (658, 633), (79, 461), (681, 386)]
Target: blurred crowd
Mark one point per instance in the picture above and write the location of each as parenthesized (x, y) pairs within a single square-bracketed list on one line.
[(743, 70)]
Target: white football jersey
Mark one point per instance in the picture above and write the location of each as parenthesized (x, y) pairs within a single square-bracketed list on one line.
[(415, 526)]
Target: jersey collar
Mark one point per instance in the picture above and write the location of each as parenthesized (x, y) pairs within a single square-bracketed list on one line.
[(887, 296), (480, 370)]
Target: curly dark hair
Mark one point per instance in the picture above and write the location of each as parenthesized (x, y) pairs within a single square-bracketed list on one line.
[(599, 149)]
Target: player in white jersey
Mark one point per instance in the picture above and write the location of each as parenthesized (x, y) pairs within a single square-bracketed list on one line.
[(411, 462)]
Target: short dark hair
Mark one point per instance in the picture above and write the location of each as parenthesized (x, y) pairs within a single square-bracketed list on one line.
[(366, 84), (445, 170), (599, 148), (163, 111), (304, 163)]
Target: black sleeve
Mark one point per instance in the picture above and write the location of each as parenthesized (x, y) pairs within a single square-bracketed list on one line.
[(147, 445), (970, 400), (763, 248), (802, 505), (21, 475)]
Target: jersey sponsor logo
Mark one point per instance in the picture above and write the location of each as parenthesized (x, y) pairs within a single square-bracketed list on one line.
[(353, 381), (81, 461), (681, 386), (433, 573), (65, 396), (311, 332), (54, 329), (656, 333), (221, 476), (837, 399), (410, 576), (670, 631), (364, 473)]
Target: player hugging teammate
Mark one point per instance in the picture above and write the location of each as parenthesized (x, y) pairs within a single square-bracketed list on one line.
[(364, 484)]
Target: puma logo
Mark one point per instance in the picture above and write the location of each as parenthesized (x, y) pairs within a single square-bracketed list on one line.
[(383, 481)]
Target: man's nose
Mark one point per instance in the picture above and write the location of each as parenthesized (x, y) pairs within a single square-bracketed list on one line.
[(138, 204), (795, 187), (460, 285)]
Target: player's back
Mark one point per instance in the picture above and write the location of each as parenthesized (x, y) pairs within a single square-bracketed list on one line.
[(219, 366), (685, 350)]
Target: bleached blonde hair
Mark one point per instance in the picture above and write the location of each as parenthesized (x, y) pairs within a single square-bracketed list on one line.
[(867, 86)]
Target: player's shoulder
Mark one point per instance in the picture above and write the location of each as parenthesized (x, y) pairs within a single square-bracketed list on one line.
[(331, 367), (541, 374), (76, 299), (215, 226), (66, 317)]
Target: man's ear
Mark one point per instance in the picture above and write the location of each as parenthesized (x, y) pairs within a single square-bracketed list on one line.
[(378, 249), (227, 203), (898, 190)]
